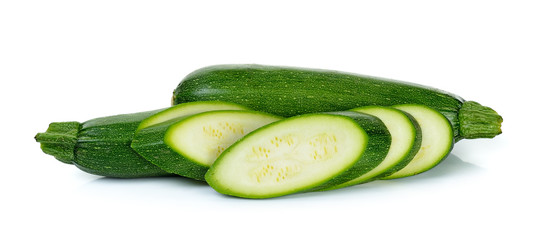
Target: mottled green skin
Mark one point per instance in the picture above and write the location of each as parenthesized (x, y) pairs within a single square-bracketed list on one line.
[(104, 148), (100, 146), (379, 142), (288, 91), (150, 142)]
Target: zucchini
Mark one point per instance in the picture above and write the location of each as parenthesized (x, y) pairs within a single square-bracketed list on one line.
[(188, 109), (288, 91), (437, 140), (188, 146), (303, 153), (405, 143), (102, 146)]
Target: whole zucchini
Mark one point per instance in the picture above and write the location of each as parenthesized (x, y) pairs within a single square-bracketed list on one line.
[(289, 91)]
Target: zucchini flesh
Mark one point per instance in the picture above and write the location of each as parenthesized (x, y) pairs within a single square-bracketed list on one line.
[(437, 140), (302, 153), (405, 143), (288, 91), (188, 146)]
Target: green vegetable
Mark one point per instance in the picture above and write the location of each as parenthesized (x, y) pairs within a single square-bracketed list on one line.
[(405, 142), (188, 109), (286, 91), (437, 140), (302, 153), (102, 146), (188, 146)]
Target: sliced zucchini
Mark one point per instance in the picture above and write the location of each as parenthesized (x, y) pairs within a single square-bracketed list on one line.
[(437, 140), (405, 142), (188, 146), (301, 153), (379, 143), (187, 109)]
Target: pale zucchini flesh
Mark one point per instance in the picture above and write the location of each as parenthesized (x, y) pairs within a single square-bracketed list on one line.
[(288, 156), (188, 146), (405, 142), (205, 136), (437, 140)]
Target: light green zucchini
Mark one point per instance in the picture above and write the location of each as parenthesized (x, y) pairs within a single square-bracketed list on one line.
[(303, 153), (436, 141), (405, 143)]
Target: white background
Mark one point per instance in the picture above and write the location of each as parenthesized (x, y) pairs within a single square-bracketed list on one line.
[(77, 60)]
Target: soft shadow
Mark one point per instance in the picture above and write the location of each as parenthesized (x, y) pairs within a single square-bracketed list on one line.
[(165, 179), (451, 167), (158, 182)]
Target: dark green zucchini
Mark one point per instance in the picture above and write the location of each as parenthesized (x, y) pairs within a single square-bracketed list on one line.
[(100, 146), (287, 91)]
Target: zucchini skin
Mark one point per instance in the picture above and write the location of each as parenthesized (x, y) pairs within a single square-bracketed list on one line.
[(150, 143), (100, 146), (290, 91)]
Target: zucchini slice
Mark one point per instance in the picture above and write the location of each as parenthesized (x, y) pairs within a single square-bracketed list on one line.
[(437, 140), (405, 143), (302, 153), (188, 146), (187, 109)]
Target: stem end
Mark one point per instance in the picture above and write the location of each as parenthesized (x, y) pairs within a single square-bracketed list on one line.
[(477, 121), (60, 140)]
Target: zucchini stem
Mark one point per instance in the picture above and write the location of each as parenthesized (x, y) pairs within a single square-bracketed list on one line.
[(477, 121), (60, 140)]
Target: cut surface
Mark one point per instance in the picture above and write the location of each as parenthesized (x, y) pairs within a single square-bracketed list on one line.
[(186, 109), (288, 156), (203, 137), (437, 140), (187, 146), (405, 142)]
